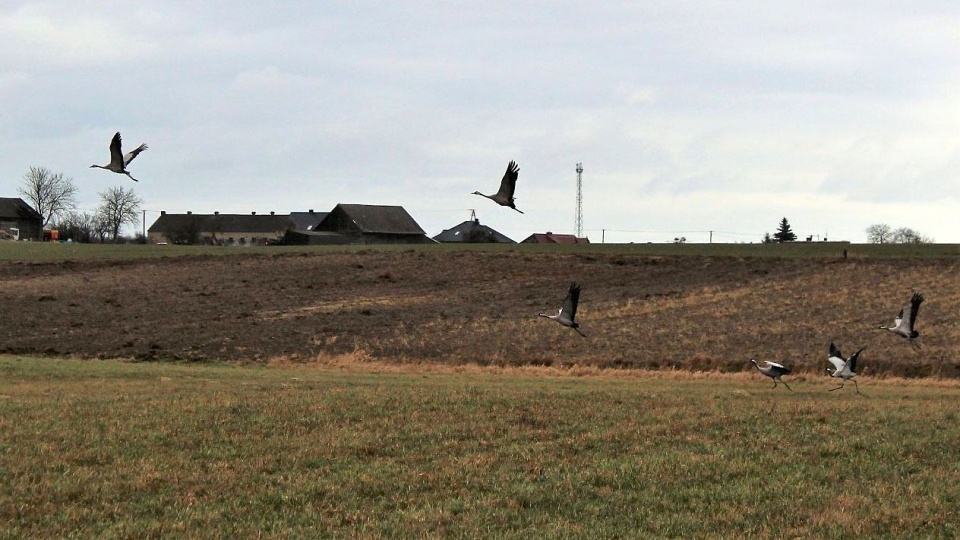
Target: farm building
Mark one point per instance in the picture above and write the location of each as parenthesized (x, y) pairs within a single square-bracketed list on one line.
[(471, 231), (363, 224), (19, 221), (551, 238), (306, 221), (219, 229)]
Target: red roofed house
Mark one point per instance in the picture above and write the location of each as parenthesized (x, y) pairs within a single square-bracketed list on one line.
[(551, 238)]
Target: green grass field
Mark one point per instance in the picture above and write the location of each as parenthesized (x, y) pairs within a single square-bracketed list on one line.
[(351, 449), (47, 251)]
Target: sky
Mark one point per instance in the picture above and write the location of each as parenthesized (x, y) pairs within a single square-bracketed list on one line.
[(688, 116)]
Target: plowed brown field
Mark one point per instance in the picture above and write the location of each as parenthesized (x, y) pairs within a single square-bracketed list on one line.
[(685, 312)]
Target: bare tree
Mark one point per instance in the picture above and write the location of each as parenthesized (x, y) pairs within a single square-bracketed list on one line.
[(51, 194), (879, 233), (118, 207), (906, 235), (100, 227), (75, 226)]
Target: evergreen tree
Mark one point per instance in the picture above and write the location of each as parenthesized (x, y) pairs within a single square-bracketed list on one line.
[(784, 233)]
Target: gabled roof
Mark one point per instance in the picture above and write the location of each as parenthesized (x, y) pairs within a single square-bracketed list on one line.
[(306, 221), (551, 238), (222, 223), (471, 231), (14, 208), (369, 219)]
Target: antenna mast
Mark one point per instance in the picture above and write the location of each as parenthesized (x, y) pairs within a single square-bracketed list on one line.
[(578, 227)]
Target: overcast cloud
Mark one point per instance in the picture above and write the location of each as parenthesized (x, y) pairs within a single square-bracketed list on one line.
[(688, 116)]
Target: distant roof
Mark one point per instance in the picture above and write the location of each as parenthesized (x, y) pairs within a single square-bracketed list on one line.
[(16, 208), (222, 223), (471, 230), (306, 221), (369, 218), (551, 238)]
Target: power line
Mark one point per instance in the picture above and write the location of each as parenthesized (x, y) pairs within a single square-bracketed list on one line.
[(715, 231)]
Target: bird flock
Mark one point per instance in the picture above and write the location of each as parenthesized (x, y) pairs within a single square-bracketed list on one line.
[(845, 369), (504, 197)]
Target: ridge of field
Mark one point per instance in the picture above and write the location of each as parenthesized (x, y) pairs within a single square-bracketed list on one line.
[(61, 251), (439, 304), (358, 449)]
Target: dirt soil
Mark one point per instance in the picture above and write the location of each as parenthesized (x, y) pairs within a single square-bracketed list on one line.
[(481, 307)]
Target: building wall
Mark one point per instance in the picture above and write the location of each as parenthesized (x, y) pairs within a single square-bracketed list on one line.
[(225, 238), (369, 238), (29, 230)]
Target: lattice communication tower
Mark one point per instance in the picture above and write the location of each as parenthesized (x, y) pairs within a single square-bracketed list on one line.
[(579, 224)]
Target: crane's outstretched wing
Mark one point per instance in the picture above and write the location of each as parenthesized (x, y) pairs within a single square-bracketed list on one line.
[(132, 154), (838, 363), (569, 309), (509, 182), (116, 155), (913, 308), (836, 358), (898, 320), (853, 360), (780, 367)]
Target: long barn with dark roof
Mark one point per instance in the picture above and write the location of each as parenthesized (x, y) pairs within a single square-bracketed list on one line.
[(363, 224), (345, 224), (219, 229)]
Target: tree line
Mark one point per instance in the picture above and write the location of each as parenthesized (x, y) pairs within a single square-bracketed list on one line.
[(882, 233), (54, 197), (876, 234)]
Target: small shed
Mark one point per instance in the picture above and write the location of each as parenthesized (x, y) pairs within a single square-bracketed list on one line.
[(471, 231), (19, 220), (553, 238)]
